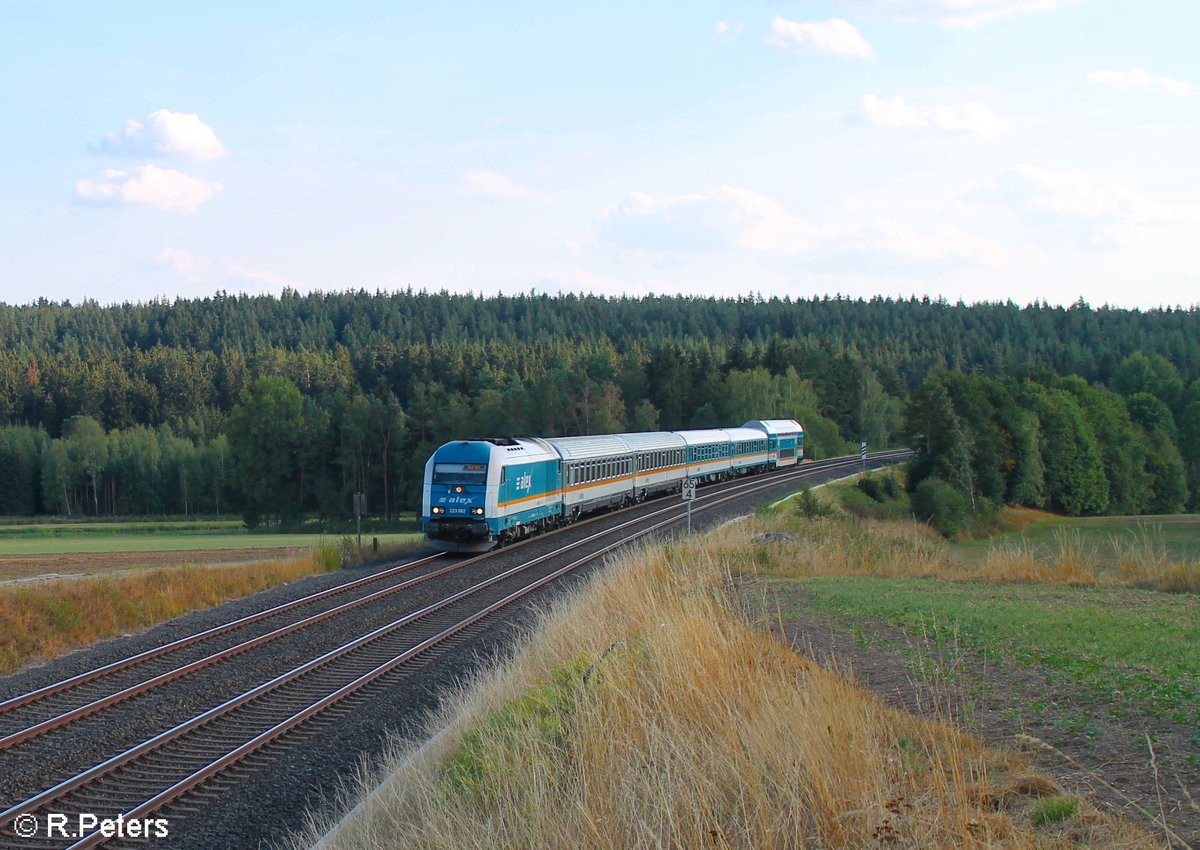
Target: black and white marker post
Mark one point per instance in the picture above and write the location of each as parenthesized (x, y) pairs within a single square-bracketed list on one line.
[(862, 455), (689, 494)]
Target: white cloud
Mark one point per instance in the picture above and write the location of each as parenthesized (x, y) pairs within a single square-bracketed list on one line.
[(162, 188), (971, 14), (493, 183), (930, 243), (1137, 78), (718, 220), (728, 30), (166, 133), (177, 258), (223, 273), (834, 36), (1075, 194), (733, 220), (974, 117)]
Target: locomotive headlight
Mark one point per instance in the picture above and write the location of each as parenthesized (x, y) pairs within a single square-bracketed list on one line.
[(477, 511), (458, 489), (437, 510)]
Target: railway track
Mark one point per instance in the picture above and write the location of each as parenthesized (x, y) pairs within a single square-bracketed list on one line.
[(141, 780)]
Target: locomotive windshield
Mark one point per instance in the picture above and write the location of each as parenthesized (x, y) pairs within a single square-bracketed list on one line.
[(460, 473)]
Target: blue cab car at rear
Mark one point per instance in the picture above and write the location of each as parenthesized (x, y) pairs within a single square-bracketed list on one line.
[(482, 493)]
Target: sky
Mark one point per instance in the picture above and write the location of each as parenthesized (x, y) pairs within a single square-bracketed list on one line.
[(966, 149)]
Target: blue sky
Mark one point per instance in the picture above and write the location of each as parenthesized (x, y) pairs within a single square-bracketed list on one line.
[(975, 149)]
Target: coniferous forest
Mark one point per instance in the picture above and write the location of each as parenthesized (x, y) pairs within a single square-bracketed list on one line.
[(277, 408)]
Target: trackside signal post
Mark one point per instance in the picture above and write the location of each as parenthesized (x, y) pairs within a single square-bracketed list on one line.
[(862, 454), (360, 508), (689, 495)]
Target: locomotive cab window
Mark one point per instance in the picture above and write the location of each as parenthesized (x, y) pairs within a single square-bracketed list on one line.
[(459, 473)]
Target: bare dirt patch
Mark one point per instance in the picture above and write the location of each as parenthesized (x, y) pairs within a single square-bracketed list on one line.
[(26, 567), (1094, 746)]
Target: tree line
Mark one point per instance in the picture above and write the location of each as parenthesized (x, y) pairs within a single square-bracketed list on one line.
[(278, 407), (1058, 443)]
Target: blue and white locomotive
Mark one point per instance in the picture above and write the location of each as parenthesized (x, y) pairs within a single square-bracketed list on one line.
[(483, 493)]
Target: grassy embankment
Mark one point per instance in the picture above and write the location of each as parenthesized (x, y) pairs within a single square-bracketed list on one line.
[(42, 619), (645, 712)]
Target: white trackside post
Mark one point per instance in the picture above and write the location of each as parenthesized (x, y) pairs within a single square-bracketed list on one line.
[(689, 494)]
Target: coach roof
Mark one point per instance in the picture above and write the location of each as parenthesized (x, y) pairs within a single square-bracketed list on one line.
[(705, 437), (775, 426), (588, 448), (652, 441), (739, 435)]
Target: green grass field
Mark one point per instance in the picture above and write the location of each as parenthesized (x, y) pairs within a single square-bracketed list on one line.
[(168, 542), (1142, 644), (71, 529)]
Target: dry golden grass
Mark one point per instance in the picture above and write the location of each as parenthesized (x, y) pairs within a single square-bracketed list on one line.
[(1142, 558), (1073, 563), (39, 620), (1018, 517), (894, 549), (1144, 561), (644, 712), (834, 546)]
